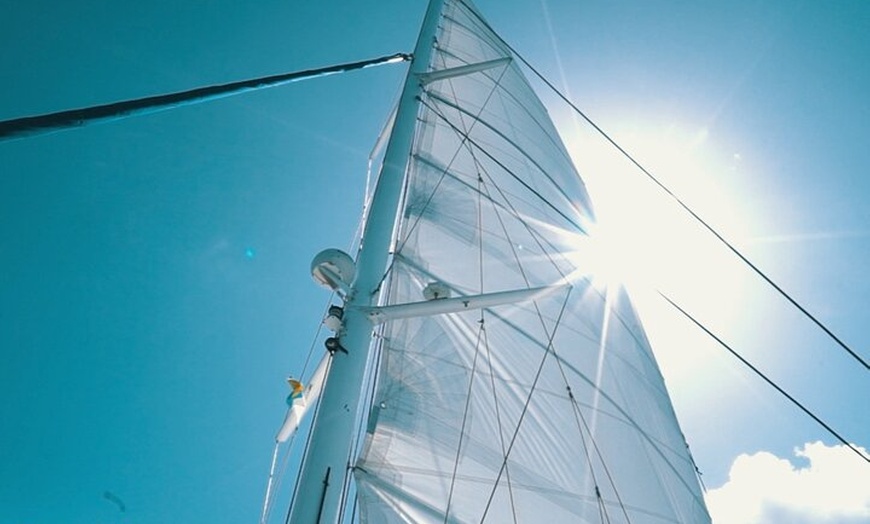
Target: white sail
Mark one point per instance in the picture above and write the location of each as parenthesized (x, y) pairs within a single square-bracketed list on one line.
[(550, 410)]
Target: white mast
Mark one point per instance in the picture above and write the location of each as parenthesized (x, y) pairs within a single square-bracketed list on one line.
[(325, 465)]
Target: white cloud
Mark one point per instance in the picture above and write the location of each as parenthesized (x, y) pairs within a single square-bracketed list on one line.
[(830, 485)]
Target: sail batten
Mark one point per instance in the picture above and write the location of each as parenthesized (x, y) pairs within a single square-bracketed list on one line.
[(549, 409)]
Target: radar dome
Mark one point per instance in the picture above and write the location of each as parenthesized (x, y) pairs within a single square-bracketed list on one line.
[(333, 268)]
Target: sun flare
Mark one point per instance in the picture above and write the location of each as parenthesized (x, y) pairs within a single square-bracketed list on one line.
[(645, 241)]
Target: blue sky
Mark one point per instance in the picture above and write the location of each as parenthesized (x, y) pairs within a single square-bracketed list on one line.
[(146, 351)]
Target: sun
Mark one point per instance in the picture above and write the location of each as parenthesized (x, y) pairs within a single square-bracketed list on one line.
[(643, 239)]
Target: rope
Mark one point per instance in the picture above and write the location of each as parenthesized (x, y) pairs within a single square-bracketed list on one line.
[(54, 122), (547, 352), (545, 250), (766, 379), (268, 497), (684, 206), (467, 142), (481, 334), (472, 374)]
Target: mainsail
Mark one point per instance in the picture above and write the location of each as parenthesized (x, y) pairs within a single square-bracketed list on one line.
[(549, 408)]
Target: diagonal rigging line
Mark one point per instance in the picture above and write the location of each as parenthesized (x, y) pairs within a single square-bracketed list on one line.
[(685, 207), (547, 350), (492, 157), (53, 122), (472, 373), (601, 503), (769, 381), (538, 241), (482, 330), (514, 213), (446, 169)]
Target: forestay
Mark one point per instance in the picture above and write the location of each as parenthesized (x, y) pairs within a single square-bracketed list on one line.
[(551, 410)]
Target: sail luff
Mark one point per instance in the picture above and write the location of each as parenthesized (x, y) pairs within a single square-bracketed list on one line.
[(325, 465)]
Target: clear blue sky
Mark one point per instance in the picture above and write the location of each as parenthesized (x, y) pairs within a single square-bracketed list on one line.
[(145, 350)]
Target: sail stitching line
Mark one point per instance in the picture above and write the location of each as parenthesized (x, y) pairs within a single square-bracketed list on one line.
[(446, 169), (481, 187), (480, 168), (480, 193), (579, 418), (493, 41), (581, 423), (525, 277), (496, 81), (540, 317), (524, 154), (557, 144), (626, 418), (499, 424)]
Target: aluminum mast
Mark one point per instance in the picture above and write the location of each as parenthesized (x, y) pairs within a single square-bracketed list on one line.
[(325, 465)]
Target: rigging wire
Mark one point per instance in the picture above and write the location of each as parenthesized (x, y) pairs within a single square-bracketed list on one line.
[(481, 282), (603, 515), (267, 499), (468, 140), (480, 192), (54, 122), (465, 412), (758, 372), (683, 205), (547, 351), (602, 509)]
